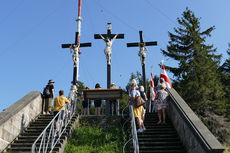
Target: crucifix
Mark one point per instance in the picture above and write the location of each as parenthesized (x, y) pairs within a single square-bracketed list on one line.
[(75, 51), (142, 45), (109, 39)]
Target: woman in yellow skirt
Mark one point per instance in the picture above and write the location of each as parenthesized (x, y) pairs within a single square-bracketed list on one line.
[(137, 111)]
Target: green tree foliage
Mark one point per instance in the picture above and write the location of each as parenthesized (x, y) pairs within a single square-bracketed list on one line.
[(196, 76), (225, 78), (225, 68), (80, 87)]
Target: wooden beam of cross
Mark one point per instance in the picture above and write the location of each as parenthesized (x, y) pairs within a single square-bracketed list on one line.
[(76, 43), (109, 35), (142, 45)]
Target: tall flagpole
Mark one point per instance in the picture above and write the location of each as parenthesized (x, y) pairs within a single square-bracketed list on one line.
[(162, 63), (79, 20)]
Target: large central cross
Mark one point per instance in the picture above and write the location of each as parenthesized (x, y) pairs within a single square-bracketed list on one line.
[(108, 38), (76, 55), (142, 45)]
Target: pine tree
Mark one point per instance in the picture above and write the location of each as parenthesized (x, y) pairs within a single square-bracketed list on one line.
[(225, 78), (225, 68), (196, 76)]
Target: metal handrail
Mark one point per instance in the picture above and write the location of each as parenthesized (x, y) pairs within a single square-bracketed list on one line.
[(122, 113), (133, 131), (50, 138)]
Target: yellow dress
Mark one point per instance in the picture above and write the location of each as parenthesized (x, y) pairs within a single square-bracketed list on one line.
[(137, 111)]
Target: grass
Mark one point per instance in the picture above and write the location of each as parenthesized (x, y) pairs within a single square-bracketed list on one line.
[(227, 149), (95, 140)]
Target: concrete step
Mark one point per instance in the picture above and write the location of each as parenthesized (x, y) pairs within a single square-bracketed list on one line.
[(33, 129), (39, 124), (32, 140), (162, 151), (162, 143), (28, 149), (158, 139), (168, 147), (158, 136), (157, 132), (160, 129), (22, 145)]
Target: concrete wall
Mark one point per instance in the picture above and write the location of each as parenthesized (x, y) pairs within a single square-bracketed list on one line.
[(15, 118), (193, 133)]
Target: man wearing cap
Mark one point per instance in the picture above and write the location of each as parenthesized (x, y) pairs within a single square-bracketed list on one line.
[(49, 97)]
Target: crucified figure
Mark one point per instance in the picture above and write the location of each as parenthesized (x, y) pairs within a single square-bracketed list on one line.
[(142, 54), (75, 55), (108, 49)]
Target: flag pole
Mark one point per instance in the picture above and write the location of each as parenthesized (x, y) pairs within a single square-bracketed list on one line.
[(150, 101), (162, 62), (79, 20)]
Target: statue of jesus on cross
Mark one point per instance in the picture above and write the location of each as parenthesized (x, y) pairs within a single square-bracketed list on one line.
[(108, 49), (142, 54)]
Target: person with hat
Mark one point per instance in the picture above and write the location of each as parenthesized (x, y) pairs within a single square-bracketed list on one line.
[(137, 111), (48, 94)]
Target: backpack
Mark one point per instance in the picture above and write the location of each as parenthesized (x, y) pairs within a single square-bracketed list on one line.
[(46, 91)]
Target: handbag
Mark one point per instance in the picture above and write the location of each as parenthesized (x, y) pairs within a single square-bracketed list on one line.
[(139, 101)]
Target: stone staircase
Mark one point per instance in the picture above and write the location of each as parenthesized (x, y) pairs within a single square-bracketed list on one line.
[(161, 138), (25, 140)]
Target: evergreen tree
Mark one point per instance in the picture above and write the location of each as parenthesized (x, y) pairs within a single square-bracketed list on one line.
[(225, 78), (225, 68), (196, 76)]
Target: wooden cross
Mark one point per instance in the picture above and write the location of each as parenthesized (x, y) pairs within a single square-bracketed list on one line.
[(108, 38), (76, 48), (142, 55)]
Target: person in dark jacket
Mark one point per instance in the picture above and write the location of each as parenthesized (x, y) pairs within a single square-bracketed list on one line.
[(48, 97)]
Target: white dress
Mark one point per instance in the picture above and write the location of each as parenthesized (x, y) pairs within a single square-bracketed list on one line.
[(162, 101)]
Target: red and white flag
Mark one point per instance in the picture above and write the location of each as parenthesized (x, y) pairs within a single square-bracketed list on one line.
[(152, 92), (165, 77)]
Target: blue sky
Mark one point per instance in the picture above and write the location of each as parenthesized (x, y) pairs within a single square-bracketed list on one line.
[(31, 34)]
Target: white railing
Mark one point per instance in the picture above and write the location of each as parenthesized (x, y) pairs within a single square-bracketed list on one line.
[(133, 131), (50, 136)]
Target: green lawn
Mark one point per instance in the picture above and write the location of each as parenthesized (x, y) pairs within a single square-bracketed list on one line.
[(88, 139)]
